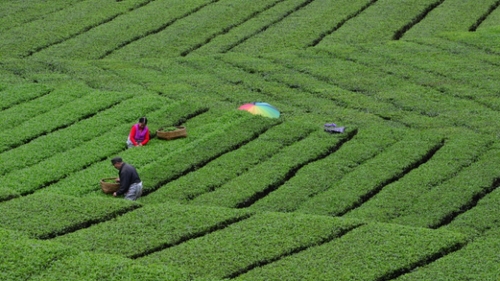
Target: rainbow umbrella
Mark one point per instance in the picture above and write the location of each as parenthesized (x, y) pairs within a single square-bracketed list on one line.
[(261, 108)]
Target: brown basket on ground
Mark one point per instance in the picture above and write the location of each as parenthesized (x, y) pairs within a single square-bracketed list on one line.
[(109, 187), (180, 132)]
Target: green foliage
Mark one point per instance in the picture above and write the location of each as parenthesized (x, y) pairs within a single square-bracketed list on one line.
[(260, 239), (420, 148), (48, 215), (22, 258), (17, 94), (95, 266), (369, 252), (151, 228), (476, 261), (269, 175), (230, 165)]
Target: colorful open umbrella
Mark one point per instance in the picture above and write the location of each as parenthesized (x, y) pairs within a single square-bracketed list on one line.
[(261, 108)]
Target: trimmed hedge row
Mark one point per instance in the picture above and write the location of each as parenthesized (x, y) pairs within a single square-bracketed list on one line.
[(301, 28), (55, 168), (23, 258), (369, 252), (48, 215), (84, 181), (318, 93), (323, 174), (35, 106), (381, 21), (195, 30), (19, 94), (485, 39), (94, 266), (79, 133), (64, 116), (7, 194), (476, 261), (126, 28), (271, 174), (445, 201), (211, 146), (15, 13), (450, 16), (152, 228), (405, 95), (259, 240), (459, 152), (230, 165), (56, 27), (482, 219), (372, 176), (247, 30), (471, 70)]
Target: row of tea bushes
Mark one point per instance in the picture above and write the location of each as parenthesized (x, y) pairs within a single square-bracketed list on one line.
[(151, 158), (476, 261), (231, 165), (63, 116), (24, 258), (15, 13), (17, 94), (126, 28), (256, 241), (214, 144), (262, 21), (269, 175), (444, 202), (476, 46), (369, 252), (251, 86), (315, 91), (481, 220), (405, 95), (7, 193), (459, 152), (370, 177), (484, 39), (56, 27), (195, 30), (152, 228), (35, 102), (303, 27), (53, 169), (391, 19), (323, 174), (452, 16), (49, 215), (83, 181), (421, 74), (467, 69), (80, 132)]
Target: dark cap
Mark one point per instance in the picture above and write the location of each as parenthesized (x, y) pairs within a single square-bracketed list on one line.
[(116, 160)]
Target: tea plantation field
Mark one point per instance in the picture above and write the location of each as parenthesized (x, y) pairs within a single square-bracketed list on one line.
[(408, 191)]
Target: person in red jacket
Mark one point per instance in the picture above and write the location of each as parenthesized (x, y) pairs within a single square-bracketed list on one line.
[(139, 133)]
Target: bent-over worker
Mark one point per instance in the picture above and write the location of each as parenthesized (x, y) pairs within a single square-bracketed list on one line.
[(130, 182)]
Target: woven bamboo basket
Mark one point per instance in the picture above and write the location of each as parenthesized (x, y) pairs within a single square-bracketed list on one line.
[(180, 132), (109, 187)]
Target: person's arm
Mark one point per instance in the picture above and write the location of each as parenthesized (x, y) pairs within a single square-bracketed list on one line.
[(146, 138), (131, 136)]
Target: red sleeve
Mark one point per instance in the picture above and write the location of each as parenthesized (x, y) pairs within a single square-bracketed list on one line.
[(146, 138), (131, 135)]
